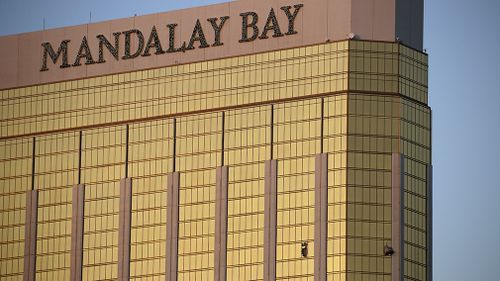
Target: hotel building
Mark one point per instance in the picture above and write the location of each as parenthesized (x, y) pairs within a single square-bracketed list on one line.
[(249, 140)]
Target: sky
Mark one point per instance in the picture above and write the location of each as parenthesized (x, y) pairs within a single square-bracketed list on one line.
[(462, 38)]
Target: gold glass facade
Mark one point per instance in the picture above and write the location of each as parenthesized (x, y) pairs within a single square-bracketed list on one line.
[(357, 101)]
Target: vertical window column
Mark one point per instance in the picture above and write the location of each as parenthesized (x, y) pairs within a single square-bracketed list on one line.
[(220, 251), (397, 216), (31, 224), (77, 232), (30, 235), (125, 217), (429, 222), (270, 219), (173, 185), (320, 216)]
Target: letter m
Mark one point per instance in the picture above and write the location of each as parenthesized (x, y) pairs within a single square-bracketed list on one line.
[(49, 51)]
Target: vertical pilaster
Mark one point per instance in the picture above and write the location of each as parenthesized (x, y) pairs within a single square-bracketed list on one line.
[(220, 250), (429, 222), (77, 232), (270, 219), (30, 233), (125, 218), (320, 216), (397, 216), (173, 185)]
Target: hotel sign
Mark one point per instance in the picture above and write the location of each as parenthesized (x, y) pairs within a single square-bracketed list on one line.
[(141, 43)]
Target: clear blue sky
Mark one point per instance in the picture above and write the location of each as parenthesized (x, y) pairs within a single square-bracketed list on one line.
[(463, 40)]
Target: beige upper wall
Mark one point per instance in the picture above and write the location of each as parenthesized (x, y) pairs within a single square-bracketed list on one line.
[(318, 21)]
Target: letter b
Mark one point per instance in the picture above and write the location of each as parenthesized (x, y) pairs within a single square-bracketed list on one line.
[(245, 25)]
